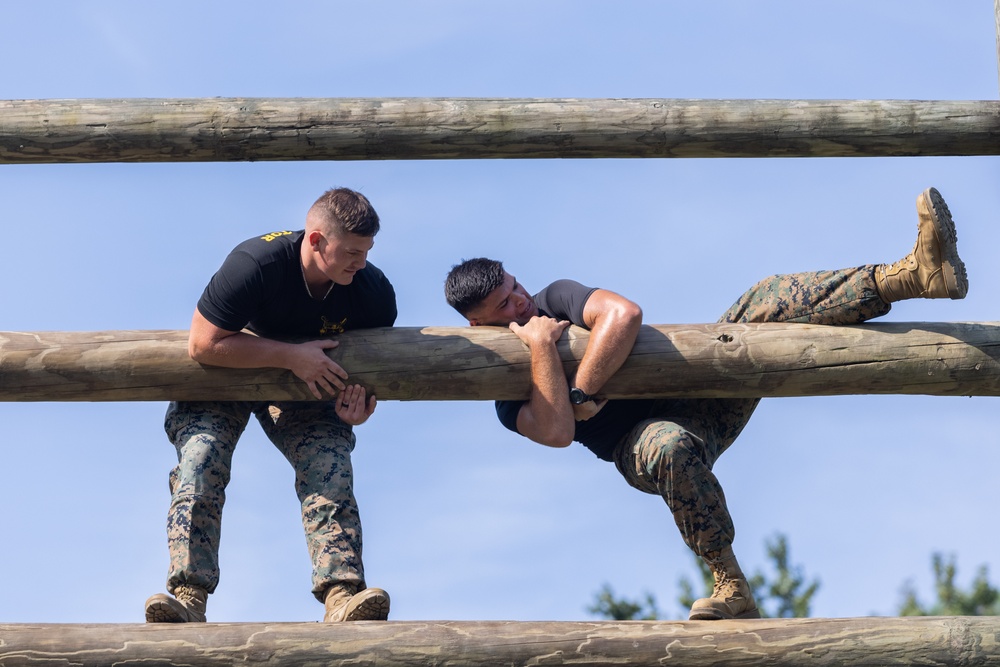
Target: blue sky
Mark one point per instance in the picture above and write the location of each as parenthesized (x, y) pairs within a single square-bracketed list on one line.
[(464, 520)]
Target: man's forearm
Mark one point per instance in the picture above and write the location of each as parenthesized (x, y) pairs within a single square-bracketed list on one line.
[(549, 390), (547, 417), (243, 350)]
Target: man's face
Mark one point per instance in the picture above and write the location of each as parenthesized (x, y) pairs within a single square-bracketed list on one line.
[(340, 257), (507, 303)]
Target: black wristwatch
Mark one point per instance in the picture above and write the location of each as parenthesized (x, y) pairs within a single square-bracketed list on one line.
[(578, 396)]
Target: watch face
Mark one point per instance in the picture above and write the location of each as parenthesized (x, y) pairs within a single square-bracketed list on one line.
[(578, 396)]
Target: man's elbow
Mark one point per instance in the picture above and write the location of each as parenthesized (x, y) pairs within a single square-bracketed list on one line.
[(632, 313), (625, 316), (556, 437), (197, 350)]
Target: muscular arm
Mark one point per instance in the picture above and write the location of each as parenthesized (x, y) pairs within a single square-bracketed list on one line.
[(614, 323), (547, 417), (208, 344)]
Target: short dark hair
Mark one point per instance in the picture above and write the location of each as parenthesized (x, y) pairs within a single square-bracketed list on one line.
[(470, 282), (347, 211)]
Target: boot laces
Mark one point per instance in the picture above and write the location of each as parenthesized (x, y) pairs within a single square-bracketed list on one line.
[(188, 595), (727, 588)]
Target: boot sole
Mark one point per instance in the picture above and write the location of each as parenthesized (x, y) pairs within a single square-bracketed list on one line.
[(371, 604), (373, 608), (956, 279), (161, 612), (161, 609), (715, 615)]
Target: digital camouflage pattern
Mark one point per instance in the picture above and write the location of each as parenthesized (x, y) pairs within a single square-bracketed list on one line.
[(671, 454), (317, 444)]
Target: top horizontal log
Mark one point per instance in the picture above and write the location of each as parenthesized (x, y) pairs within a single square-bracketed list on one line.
[(249, 129), (485, 363), (848, 642)]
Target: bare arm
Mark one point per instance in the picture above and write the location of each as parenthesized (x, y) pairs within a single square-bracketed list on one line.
[(547, 417), (208, 344), (614, 323)]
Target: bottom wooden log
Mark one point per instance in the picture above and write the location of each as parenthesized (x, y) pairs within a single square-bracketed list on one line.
[(853, 642)]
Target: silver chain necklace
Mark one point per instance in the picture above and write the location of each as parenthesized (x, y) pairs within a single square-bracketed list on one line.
[(305, 282)]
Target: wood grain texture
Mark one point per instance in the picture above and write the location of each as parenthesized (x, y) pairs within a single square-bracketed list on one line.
[(247, 129), (858, 642), (486, 363)]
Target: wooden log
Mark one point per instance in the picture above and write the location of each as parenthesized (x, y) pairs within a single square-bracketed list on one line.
[(851, 642), (239, 129), (482, 363)]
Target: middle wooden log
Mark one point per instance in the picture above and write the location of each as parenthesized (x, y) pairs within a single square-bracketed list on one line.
[(484, 363)]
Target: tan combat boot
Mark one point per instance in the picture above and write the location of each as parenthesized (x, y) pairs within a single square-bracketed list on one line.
[(731, 597), (344, 604), (933, 270), (187, 606)]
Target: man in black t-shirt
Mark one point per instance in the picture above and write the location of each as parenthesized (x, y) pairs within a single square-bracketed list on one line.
[(282, 285), (669, 446)]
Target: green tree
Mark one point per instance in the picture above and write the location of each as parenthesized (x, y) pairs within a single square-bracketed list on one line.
[(982, 599), (782, 594), (606, 605), (785, 593)]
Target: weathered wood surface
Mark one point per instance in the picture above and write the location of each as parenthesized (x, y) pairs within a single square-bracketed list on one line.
[(482, 363), (858, 642), (238, 129)]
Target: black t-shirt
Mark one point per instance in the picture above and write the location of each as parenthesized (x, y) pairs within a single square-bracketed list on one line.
[(565, 300), (260, 287)]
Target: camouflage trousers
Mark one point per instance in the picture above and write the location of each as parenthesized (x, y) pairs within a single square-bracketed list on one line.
[(317, 444), (671, 453)]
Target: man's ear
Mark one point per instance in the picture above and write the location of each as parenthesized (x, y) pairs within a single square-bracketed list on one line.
[(474, 323), (313, 238)]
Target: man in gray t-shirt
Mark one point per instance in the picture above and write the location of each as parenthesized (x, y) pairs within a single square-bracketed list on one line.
[(668, 447)]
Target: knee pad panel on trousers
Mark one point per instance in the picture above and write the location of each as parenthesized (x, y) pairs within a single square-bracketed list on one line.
[(654, 449)]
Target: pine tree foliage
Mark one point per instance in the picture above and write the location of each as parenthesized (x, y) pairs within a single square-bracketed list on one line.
[(607, 605), (982, 598), (781, 594), (785, 593)]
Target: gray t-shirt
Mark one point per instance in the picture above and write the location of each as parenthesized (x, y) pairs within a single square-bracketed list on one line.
[(565, 300)]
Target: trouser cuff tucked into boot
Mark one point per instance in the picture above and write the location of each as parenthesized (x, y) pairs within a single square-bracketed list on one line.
[(731, 596), (345, 603), (187, 606)]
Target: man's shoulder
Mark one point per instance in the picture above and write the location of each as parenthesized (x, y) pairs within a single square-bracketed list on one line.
[(564, 299), (270, 244), (268, 258), (565, 284)]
